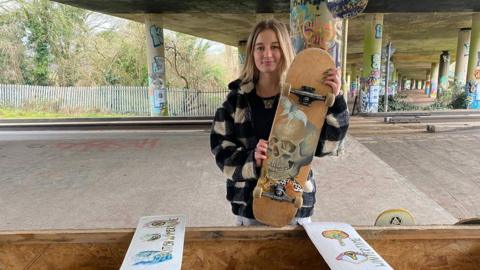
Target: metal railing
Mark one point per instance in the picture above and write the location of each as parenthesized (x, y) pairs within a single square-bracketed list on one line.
[(128, 100)]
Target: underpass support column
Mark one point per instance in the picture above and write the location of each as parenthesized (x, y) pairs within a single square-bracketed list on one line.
[(473, 72), (428, 81), (434, 81), (443, 74), (354, 78), (461, 62), (156, 68), (242, 51), (372, 49)]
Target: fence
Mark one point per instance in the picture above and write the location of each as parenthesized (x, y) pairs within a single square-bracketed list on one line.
[(109, 99)]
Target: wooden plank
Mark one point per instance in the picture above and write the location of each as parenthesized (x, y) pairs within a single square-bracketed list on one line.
[(420, 247)]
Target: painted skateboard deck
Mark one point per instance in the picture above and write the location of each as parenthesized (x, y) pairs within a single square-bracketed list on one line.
[(296, 128), (156, 244), (343, 248)]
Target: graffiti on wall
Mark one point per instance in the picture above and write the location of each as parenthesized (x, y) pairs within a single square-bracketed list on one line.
[(312, 25), (378, 31), (158, 65), (157, 36), (466, 49)]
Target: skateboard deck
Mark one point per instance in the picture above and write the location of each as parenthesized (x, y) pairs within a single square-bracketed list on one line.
[(156, 244), (400, 217), (343, 248), (469, 221), (293, 139)]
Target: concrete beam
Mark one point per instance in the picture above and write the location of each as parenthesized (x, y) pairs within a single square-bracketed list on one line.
[(263, 6)]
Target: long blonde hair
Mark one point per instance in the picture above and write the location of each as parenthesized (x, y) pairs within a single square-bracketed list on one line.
[(249, 71)]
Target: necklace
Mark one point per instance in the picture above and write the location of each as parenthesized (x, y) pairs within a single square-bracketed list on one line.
[(269, 102)]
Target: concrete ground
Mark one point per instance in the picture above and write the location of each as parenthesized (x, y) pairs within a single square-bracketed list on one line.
[(72, 179), (110, 178)]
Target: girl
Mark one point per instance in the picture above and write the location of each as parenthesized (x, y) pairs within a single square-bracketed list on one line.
[(242, 125)]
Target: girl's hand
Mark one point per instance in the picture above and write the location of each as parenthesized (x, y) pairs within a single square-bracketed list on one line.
[(260, 152), (332, 78)]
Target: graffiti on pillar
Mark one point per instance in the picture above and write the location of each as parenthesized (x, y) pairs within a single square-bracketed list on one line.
[(157, 91), (378, 31), (156, 34), (335, 46), (158, 65), (473, 91), (476, 72), (445, 58), (466, 48), (241, 58), (443, 84), (312, 25), (376, 61), (373, 78), (427, 87), (346, 8), (354, 88), (369, 99), (370, 86)]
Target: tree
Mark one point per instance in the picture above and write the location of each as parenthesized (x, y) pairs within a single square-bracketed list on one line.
[(186, 63), (12, 49), (53, 35)]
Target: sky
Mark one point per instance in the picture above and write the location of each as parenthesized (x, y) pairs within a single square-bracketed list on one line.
[(103, 21)]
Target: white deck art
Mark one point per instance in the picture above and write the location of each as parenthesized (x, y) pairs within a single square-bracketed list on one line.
[(156, 244), (343, 248)]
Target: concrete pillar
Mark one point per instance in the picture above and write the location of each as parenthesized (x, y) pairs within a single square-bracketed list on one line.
[(372, 49), (156, 68), (394, 81), (354, 84), (443, 73), (242, 51), (434, 81), (348, 82), (461, 62), (312, 25), (473, 72), (428, 81), (414, 85)]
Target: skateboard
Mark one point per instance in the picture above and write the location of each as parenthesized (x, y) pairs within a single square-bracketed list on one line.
[(400, 217), (469, 221), (343, 248), (156, 244), (293, 139)]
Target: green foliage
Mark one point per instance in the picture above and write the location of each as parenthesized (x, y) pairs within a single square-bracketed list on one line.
[(395, 103), (16, 113), (454, 98), (47, 43), (460, 101)]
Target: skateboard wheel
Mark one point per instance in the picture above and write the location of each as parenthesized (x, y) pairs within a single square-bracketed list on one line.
[(330, 100), (298, 202), (257, 192), (395, 217)]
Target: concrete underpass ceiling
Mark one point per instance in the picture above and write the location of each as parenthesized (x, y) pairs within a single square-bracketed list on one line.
[(418, 31)]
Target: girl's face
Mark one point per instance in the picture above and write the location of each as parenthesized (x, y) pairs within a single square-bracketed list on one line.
[(267, 52)]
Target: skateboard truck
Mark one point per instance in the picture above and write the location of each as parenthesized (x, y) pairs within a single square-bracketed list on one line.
[(306, 96), (277, 192)]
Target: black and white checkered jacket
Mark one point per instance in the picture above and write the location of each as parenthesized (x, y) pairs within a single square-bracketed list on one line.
[(233, 143)]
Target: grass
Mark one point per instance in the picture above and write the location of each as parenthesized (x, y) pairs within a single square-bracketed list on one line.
[(16, 113)]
